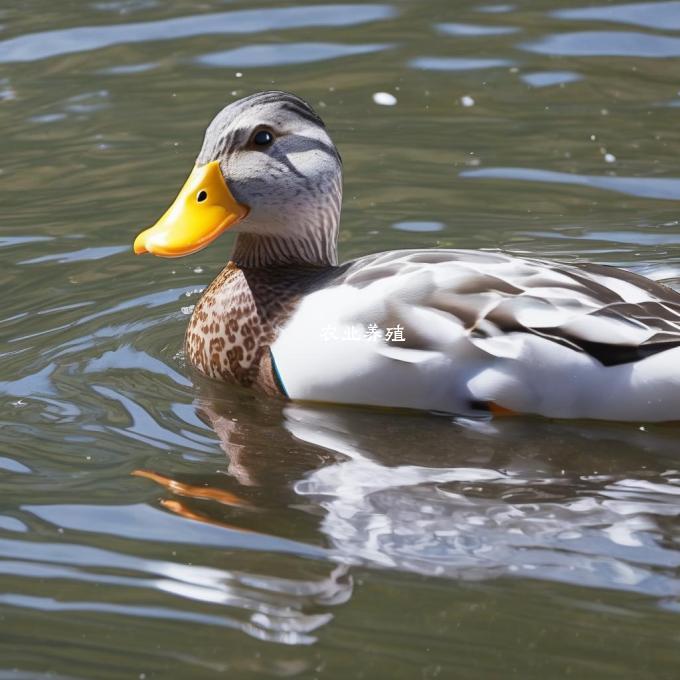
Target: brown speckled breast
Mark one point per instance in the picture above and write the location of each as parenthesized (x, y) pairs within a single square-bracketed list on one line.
[(239, 316)]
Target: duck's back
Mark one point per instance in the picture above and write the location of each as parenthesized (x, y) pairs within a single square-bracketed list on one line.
[(456, 331)]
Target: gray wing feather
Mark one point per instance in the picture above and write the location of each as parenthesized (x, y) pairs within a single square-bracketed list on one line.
[(612, 314)]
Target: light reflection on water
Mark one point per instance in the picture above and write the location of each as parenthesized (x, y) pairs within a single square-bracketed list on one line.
[(148, 520), (32, 47)]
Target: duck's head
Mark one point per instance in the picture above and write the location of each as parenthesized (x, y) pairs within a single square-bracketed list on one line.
[(267, 170)]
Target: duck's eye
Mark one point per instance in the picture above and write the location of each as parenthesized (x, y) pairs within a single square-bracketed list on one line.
[(263, 138), (201, 196)]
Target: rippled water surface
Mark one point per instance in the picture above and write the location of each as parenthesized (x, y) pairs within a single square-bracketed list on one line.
[(153, 528)]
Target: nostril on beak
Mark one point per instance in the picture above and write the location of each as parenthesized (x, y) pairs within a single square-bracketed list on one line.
[(201, 196)]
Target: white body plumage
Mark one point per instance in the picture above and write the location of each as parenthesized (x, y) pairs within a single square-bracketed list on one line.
[(486, 328)]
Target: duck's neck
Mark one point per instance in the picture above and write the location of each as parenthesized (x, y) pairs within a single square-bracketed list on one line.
[(254, 250), (311, 241)]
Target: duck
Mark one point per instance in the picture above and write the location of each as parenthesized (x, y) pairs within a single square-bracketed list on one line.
[(462, 332)]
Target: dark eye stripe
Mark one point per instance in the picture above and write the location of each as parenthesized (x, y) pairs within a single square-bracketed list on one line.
[(306, 114)]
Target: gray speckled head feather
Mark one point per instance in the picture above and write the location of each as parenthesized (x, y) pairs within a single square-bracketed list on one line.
[(293, 186)]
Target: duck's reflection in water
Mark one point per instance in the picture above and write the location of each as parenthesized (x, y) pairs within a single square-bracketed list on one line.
[(589, 504), (584, 503)]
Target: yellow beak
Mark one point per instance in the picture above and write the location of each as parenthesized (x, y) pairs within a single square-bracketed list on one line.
[(203, 209)]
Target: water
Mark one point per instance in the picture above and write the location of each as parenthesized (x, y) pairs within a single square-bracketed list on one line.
[(328, 543)]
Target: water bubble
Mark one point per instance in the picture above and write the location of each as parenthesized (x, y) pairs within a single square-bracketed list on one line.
[(418, 226), (384, 99)]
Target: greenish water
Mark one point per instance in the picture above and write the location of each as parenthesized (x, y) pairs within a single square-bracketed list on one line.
[(326, 543)]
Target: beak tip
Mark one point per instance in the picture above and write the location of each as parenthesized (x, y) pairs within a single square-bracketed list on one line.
[(139, 246)]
